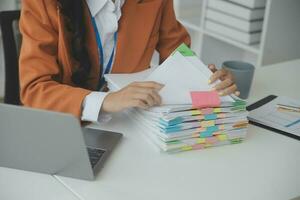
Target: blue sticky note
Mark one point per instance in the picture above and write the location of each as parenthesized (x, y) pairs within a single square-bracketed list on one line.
[(175, 121), (206, 134), (210, 117), (172, 129), (212, 129)]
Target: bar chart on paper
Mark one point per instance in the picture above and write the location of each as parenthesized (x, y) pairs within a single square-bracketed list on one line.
[(282, 120)]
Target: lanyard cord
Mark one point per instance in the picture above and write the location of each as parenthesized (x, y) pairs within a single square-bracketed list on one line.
[(101, 55)]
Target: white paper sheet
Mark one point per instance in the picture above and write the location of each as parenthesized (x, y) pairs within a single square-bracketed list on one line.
[(179, 77), (179, 74)]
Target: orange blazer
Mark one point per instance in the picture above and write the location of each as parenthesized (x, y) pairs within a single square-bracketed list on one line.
[(46, 64)]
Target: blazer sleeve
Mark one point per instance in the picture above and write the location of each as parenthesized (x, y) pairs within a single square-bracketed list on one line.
[(38, 63), (171, 33)]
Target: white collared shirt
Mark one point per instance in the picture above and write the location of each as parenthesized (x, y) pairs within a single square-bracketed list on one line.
[(106, 14)]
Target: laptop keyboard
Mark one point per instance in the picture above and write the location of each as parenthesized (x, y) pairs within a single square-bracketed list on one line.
[(95, 155)]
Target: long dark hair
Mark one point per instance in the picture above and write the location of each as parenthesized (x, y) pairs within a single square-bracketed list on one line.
[(74, 15)]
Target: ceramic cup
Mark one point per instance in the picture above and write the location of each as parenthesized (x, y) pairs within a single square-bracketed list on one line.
[(243, 74)]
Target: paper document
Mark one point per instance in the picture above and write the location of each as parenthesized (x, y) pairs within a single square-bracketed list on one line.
[(270, 116), (192, 115), (179, 77)]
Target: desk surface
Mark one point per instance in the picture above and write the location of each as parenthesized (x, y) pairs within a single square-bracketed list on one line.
[(265, 166), (23, 185)]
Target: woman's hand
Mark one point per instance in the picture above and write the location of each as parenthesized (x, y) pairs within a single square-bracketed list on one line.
[(227, 85), (135, 95)]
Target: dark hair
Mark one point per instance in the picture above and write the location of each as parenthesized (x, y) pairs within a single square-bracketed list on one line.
[(74, 15)]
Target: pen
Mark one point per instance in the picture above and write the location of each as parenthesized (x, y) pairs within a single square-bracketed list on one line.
[(288, 108)]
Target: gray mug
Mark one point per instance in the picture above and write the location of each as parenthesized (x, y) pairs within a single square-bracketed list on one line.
[(243, 74)]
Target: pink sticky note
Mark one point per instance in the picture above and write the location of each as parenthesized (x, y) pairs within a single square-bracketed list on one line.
[(198, 146), (207, 111), (207, 99), (211, 140)]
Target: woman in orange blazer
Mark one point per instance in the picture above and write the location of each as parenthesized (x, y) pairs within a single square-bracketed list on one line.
[(60, 63)]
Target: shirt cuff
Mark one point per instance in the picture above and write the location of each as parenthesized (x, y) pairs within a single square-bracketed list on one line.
[(91, 108)]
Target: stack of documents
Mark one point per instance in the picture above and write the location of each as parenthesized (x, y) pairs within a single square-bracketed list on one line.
[(184, 121), (240, 20)]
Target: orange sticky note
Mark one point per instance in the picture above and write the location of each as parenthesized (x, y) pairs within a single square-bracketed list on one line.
[(206, 124), (206, 99)]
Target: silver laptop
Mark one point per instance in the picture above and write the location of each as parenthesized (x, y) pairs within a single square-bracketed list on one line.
[(52, 143)]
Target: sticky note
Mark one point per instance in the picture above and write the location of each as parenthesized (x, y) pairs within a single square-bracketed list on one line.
[(217, 110), (221, 127), (222, 137), (207, 145), (201, 140), (196, 112), (205, 99), (222, 115), (198, 146), (185, 50), (239, 103), (238, 108), (242, 124), (186, 148), (211, 140), (207, 111), (210, 117), (207, 123), (173, 129), (236, 141), (212, 128), (173, 142), (206, 134), (199, 117), (201, 129), (177, 120)]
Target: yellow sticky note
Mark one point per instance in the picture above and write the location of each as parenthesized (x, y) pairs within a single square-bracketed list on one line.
[(201, 141), (221, 127), (207, 123), (222, 137), (217, 110), (207, 145), (196, 112), (186, 148)]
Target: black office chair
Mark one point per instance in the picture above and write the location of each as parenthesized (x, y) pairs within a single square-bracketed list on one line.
[(11, 44)]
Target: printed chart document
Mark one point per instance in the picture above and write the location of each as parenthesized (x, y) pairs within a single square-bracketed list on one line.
[(269, 115)]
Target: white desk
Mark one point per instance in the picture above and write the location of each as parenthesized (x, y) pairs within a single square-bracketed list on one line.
[(266, 166), (22, 185), (279, 79)]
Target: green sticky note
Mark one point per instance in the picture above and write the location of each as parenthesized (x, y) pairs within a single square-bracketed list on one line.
[(239, 103), (239, 108), (185, 50)]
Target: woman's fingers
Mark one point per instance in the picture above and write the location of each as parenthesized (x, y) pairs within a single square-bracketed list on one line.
[(212, 67), (142, 92), (137, 103), (148, 84), (229, 90), (237, 93), (148, 99), (136, 95), (224, 84), (218, 75)]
